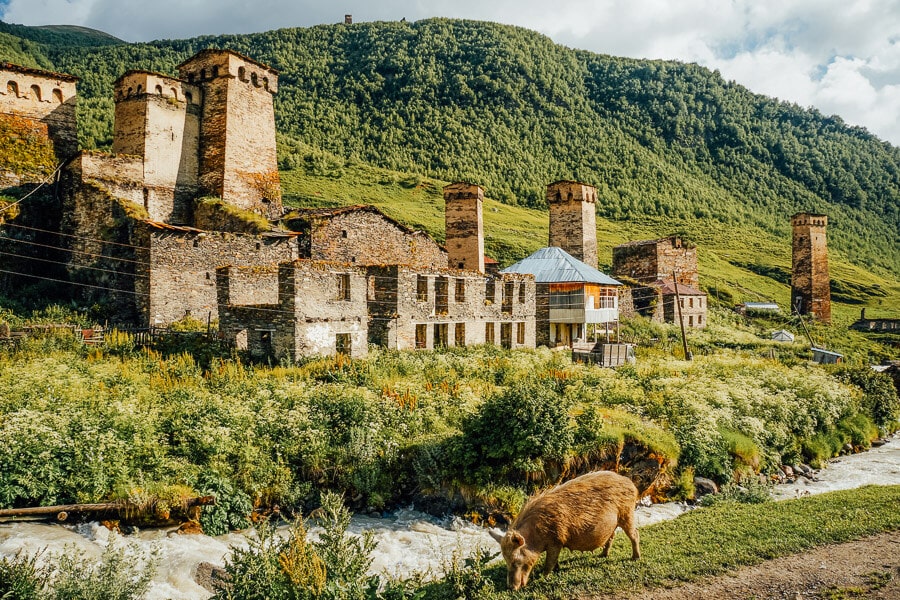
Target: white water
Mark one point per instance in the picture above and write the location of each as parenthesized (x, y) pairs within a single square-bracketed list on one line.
[(407, 542)]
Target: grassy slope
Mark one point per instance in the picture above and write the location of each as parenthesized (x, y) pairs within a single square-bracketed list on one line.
[(712, 541), (513, 232)]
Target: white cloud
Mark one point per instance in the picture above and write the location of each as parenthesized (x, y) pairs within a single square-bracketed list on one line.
[(842, 57)]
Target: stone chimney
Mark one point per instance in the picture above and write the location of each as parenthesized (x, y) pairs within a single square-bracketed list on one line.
[(573, 220), (810, 282), (464, 226)]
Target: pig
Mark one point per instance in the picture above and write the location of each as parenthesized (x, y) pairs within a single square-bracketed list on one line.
[(581, 514)]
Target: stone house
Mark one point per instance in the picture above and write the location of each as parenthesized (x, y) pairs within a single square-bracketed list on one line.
[(414, 308), (296, 309), (574, 301), (362, 235), (693, 304), (647, 261)]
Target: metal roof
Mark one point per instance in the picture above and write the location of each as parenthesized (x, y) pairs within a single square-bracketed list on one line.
[(555, 265)]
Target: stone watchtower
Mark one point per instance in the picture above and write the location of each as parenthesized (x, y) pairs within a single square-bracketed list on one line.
[(810, 283), (464, 226), (573, 220), (158, 119), (237, 157), (45, 100)]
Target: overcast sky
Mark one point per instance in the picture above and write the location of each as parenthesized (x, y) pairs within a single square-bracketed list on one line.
[(841, 56)]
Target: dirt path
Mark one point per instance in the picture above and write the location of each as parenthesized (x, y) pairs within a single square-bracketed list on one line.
[(868, 568)]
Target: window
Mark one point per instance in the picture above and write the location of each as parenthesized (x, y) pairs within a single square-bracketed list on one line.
[(440, 335), (690, 320), (159, 90), (35, 93), (489, 337), (12, 88), (699, 319), (520, 333), (506, 335), (421, 288), (460, 289), (57, 96), (343, 286), (522, 293), (459, 334), (508, 289), (441, 295), (490, 291), (421, 336), (691, 302), (342, 344), (265, 343)]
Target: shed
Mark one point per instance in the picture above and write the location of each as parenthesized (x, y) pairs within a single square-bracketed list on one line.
[(826, 357), (783, 335)]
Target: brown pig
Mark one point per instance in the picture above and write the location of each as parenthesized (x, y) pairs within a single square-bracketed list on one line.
[(581, 514)]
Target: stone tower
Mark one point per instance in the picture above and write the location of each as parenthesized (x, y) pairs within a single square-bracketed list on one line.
[(158, 119), (46, 100), (464, 226), (810, 283), (238, 162), (573, 221)]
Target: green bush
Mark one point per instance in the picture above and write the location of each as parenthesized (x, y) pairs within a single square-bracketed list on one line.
[(880, 399), (231, 510), (121, 573), (21, 578)]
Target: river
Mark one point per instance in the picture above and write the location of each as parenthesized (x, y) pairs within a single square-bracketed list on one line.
[(408, 541)]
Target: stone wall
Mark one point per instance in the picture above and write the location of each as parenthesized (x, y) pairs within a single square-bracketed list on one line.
[(44, 97), (464, 226), (425, 308), (573, 220), (810, 281), (651, 260), (693, 310), (238, 160), (182, 265), (364, 236)]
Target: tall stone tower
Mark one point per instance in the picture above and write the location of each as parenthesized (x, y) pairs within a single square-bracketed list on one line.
[(158, 119), (45, 100), (238, 162), (573, 221), (810, 283), (464, 226)]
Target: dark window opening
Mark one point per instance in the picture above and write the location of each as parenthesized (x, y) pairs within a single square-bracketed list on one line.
[(508, 289), (343, 286), (506, 335), (489, 337), (343, 344), (421, 336), (460, 289), (421, 288), (440, 335), (441, 295), (521, 293), (490, 290), (459, 334), (520, 333)]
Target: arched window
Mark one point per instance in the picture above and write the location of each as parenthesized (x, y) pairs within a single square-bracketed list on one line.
[(215, 71), (255, 79), (159, 90), (12, 88), (189, 97), (202, 74), (36, 93), (266, 82), (242, 73), (174, 93), (191, 78), (57, 96), (140, 89), (128, 93)]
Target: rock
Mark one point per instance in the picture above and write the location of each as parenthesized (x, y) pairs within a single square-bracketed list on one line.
[(878, 443), (848, 448), (788, 471), (704, 486), (210, 576), (189, 528)]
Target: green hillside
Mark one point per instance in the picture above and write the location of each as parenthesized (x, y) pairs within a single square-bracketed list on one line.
[(670, 146)]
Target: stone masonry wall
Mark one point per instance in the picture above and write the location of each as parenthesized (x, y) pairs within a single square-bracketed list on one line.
[(810, 281), (182, 265), (366, 237), (651, 260), (44, 97), (397, 307)]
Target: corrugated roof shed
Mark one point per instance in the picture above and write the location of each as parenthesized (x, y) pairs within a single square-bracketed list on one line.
[(555, 265)]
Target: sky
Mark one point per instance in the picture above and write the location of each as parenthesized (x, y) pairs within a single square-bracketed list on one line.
[(839, 56)]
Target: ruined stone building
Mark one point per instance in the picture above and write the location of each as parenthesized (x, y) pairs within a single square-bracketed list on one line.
[(810, 282), (652, 269), (366, 279)]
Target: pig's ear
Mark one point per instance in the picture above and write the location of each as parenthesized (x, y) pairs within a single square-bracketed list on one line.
[(518, 539), (496, 534)]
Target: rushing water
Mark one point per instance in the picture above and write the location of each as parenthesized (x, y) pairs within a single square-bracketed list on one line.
[(408, 541)]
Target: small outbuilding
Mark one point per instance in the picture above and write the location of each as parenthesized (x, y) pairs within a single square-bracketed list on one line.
[(783, 335), (826, 357)]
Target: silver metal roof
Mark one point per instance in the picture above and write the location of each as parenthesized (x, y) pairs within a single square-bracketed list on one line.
[(555, 265)]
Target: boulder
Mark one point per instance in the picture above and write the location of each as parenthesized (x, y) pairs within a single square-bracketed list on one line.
[(704, 486)]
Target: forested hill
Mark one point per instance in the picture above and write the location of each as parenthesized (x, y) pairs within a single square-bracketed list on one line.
[(509, 109)]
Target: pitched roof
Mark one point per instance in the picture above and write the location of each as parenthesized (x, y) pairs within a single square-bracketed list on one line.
[(555, 265), (668, 288), (314, 214)]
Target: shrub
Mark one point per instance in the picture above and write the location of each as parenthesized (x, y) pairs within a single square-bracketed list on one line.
[(21, 578), (880, 398), (749, 492), (121, 573), (346, 558), (232, 509)]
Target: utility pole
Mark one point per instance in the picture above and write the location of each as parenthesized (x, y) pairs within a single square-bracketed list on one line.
[(687, 354)]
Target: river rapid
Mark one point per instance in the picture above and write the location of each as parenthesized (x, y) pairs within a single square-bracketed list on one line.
[(408, 541)]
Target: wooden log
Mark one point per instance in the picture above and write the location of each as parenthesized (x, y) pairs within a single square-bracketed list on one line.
[(65, 511)]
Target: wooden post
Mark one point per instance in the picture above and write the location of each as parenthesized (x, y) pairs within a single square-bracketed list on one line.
[(687, 355)]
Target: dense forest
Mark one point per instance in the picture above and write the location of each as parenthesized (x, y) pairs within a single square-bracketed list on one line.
[(509, 109)]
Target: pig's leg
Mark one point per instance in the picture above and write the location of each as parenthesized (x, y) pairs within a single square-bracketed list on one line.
[(608, 545), (631, 531), (552, 562)]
